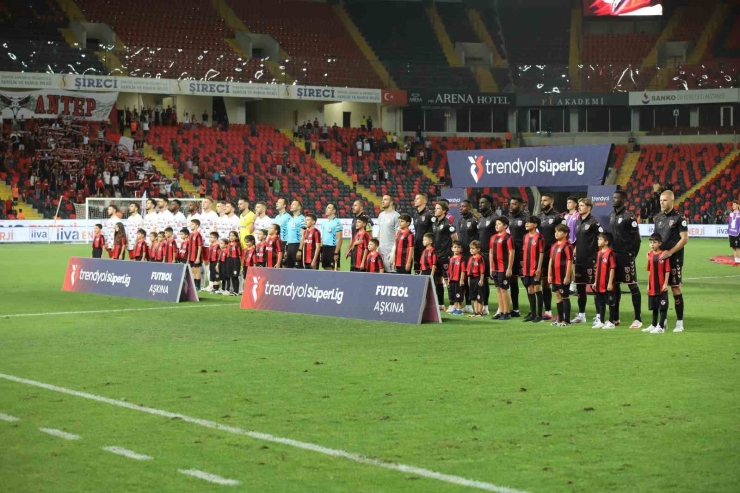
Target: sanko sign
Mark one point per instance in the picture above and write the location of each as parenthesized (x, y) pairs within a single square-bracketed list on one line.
[(704, 96)]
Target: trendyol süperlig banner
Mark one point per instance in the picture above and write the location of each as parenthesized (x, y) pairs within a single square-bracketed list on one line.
[(601, 198), (359, 295), (127, 279), (555, 166), (53, 103)]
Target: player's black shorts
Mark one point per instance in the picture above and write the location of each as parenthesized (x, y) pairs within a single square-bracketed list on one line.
[(735, 242), (605, 299), (194, 264), (476, 292), (233, 267), (562, 289), (426, 272), (586, 273), (529, 281), (545, 265), (418, 252), (626, 270), (659, 302), (98, 252), (213, 275), (516, 269), (290, 261), (500, 280), (455, 292), (307, 264), (402, 270), (327, 258), (675, 279), (487, 262), (443, 265)]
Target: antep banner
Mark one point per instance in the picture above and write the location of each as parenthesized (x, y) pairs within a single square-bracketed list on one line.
[(554, 166), (380, 297), (601, 197), (128, 279), (53, 103)]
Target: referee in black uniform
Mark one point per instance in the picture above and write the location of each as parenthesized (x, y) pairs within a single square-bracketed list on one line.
[(517, 220), (626, 246), (422, 224), (467, 231), (586, 251), (673, 228), (444, 234)]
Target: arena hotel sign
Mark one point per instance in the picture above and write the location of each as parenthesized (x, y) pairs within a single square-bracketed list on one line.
[(445, 99), (572, 100)]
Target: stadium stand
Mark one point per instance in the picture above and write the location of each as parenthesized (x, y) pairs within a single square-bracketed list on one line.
[(31, 41), (408, 47), (235, 163), (314, 39), (715, 196)]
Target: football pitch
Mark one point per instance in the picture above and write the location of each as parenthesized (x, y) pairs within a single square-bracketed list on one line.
[(119, 395)]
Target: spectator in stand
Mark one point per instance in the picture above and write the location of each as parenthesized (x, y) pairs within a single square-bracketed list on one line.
[(369, 123), (313, 148), (21, 215), (335, 131), (253, 129), (186, 121), (363, 123), (204, 118), (324, 132), (508, 139)]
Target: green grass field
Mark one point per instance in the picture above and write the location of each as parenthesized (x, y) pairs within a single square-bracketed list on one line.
[(530, 407)]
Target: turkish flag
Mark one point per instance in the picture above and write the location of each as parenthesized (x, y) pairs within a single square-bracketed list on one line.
[(394, 97)]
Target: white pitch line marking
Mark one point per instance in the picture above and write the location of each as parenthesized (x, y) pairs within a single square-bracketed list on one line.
[(9, 418), (60, 434), (360, 459), (119, 310), (708, 277), (127, 453), (211, 478)]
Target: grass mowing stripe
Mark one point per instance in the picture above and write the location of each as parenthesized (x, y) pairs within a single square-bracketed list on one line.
[(447, 478), (9, 418), (211, 478), (127, 453), (121, 310), (60, 434)]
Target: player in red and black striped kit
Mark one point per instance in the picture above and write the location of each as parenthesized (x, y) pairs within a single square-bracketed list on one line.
[(273, 248), (501, 258), (195, 250), (310, 245), (476, 270), (260, 237), (428, 258), (182, 253), (603, 286), (659, 270), (560, 273), (170, 247), (213, 253), (533, 255), (233, 262), (358, 249), (374, 260), (456, 278), (120, 245), (140, 252), (98, 242), (403, 251), (249, 255)]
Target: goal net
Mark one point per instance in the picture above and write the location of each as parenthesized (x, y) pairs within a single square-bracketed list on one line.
[(95, 211)]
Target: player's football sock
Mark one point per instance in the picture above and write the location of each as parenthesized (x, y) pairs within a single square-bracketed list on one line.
[(225, 284), (235, 284), (636, 301), (560, 311), (655, 318), (582, 299), (538, 297), (440, 294), (515, 294), (532, 304), (617, 301), (547, 297), (678, 300), (566, 309), (664, 316), (602, 312), (612, 313), (197, 283)]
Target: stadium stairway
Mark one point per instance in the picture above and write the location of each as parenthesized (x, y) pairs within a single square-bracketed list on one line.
[(574, 52), (485, 37), (709, 34), (235, 23), (337, 172), (720, 168), (364, 47), (628, 167), (167, 170), (428, 172), (28, 210), (444, 39)]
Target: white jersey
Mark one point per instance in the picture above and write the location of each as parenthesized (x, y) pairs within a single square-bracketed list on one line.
[(179, 221), (109, 226), (151, 224), (133, 224), (208, 221), (227, 224), (166, 220), (263, 222)]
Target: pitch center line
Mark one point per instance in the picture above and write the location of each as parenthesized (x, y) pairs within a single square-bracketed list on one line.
[(211, 478), (118, 310), (127, 453), (9, 418), (341, 454), (60, 434)]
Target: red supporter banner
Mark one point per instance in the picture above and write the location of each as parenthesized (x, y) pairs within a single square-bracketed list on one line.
[(389, 96), (53, 103)]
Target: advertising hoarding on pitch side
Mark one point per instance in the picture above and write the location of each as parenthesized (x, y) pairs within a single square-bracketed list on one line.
[(556, 166), (128, 279), (601, 197), (359, 295)]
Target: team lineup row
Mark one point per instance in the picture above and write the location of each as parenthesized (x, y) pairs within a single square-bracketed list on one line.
[(431, 242)]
